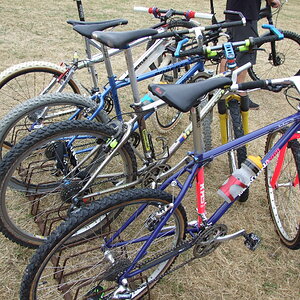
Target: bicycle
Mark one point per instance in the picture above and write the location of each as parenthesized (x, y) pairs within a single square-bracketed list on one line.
[(34, 113), (59, 168), (121, 246), (29, 79)]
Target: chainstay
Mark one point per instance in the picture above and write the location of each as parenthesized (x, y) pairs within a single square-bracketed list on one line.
[(156, 259)]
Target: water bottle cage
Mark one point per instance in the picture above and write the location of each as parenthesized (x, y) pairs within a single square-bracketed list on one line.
[(230, 183)]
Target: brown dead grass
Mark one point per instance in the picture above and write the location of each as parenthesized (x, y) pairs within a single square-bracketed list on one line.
[(36, 30)]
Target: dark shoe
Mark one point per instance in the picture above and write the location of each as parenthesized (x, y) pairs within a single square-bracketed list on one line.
[(253, 105)]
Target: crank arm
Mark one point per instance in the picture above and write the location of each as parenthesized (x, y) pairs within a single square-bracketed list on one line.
[(228, 237)]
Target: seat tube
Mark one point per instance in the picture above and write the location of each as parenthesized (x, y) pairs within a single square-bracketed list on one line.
[(112, 82), (132, 76), (91, 68), (197, 130)]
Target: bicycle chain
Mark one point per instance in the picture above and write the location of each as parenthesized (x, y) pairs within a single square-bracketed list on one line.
[(183, 246)]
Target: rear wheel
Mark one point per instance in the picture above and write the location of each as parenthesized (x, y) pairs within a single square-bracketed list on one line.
[(282, 185), (63, 268), (37, 183)]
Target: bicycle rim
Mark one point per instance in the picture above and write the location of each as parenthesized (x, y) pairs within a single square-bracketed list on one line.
[(28, 82), (282, 185)]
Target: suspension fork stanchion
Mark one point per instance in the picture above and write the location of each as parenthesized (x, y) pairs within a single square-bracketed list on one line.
[(223, 120)]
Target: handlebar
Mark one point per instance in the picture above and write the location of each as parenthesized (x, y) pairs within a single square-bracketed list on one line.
[(157, 12), (194, 29), (240, 46), (274, 85)]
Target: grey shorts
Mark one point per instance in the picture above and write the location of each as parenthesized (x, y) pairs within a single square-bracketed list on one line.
[(240, 33)]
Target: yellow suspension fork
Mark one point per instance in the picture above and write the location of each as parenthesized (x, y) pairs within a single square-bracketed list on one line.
[(223, 115)]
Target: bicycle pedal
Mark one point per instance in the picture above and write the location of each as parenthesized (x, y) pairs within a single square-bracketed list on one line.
[(252, 241)]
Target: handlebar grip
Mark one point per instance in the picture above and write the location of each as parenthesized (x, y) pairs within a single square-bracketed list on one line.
[(264, 39), (224, 25), (194, 51), (141, 8), (259, 84), (203, 16)]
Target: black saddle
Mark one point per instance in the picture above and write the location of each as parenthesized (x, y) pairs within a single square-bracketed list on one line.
[(87, 29), (120, 40), (184, 96)]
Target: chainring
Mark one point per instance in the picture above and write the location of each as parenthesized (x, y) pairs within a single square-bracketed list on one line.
[(206, 242)]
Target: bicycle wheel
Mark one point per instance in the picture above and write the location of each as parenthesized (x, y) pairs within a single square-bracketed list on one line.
[(37, 188), (284, 65), (166, 118), (25, 117), (282, 185), (30, 79), (234, 131), (88, 267)]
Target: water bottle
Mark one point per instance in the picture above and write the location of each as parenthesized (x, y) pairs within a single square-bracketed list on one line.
[(240, 179)]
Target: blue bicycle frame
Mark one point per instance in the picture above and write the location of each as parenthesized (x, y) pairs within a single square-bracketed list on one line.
[(114, 84), (193, 168)]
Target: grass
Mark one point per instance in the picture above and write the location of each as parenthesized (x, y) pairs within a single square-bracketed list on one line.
[(36, 30)]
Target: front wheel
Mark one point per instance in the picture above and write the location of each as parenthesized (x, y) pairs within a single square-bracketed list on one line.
[(234, 131), (282, 185), (70, 267), (281, 63)]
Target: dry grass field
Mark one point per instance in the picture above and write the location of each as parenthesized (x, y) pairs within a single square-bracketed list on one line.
[(37, 30)]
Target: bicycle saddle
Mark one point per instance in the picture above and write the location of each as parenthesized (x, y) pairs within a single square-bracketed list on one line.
[(87, 29), (184, 96), (120, 40), (76, 22)]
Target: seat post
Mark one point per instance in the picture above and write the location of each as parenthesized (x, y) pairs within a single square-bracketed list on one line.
[(132, 76), (197, 130), (107, 61)]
